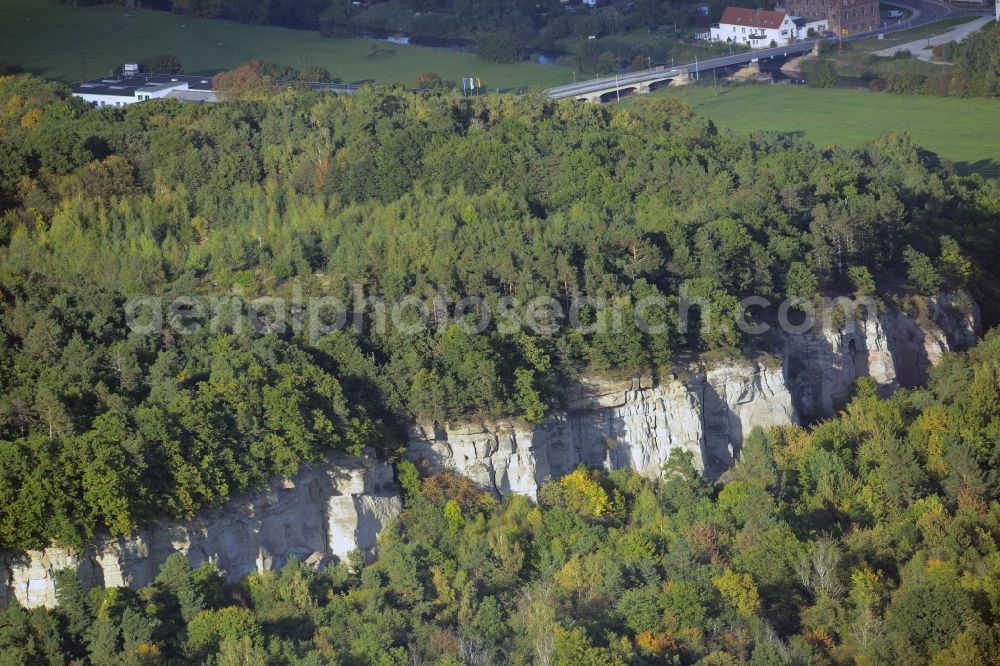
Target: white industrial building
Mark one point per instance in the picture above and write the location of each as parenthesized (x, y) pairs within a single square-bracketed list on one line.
[(132, 87)]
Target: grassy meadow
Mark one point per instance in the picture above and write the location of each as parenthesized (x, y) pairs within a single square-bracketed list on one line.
[(61, 42), (964, 131)]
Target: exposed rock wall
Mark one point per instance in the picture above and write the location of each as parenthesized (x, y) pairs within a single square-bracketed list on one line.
[(636, 424), (607, 425), (738, 398), (325, 511), (614, 425), (823, 364), (892, 347), (328, 510)]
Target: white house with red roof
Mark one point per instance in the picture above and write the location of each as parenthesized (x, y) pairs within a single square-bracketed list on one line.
[(757, 28)]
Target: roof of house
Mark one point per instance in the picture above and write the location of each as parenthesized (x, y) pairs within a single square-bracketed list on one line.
[(126, 86), (752, 18)]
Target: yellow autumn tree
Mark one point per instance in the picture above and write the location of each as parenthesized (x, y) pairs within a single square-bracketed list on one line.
[(571, 579), (31, 118), (585, 495), (244, 83), (739, 591)]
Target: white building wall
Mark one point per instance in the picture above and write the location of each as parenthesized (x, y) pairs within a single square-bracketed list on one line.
[(740, 34), (106, 100), (140, 95), (816, 26)]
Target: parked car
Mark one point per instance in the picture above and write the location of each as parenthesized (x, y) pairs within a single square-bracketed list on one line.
[(895, 14)]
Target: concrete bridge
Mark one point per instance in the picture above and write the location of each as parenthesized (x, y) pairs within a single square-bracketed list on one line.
[(601, 89), (598, 90), (612, 87)]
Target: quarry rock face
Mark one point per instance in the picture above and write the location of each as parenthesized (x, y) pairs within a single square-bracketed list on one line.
[(738, 398), (635, 424), (330, 509), (324, 511), (614, 425), (607, 425), (894, 348)]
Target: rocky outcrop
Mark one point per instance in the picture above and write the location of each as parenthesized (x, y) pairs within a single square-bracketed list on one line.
[(823, 364), (329, 510), (614, 425), (737, 398), (610, 425), (636, 424), (323, 512), (893, 347)]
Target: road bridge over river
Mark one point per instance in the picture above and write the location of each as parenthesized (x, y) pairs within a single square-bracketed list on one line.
[(923, 12), (643, 81)]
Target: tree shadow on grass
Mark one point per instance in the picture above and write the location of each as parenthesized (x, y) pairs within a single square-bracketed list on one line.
[(987, 167), (378, 52)]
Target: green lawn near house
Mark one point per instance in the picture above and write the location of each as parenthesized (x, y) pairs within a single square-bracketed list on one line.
[(61, 42), (964, 131)]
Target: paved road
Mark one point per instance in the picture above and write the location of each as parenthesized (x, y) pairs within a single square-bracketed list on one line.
[(632, 78), (923, 48), (922, 13)]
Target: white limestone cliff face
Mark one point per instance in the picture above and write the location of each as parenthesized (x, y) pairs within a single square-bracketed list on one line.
[(893, 347), (823, 364), (325, 511), (738, 398), (613, 425), (636, 424), (605, 424), (328, 510)]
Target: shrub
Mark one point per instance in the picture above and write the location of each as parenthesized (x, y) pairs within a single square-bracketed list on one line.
[(165, 63), (921, 272), (500, 47), (432, 81), (315, 74), (906, 81), (822, 75)]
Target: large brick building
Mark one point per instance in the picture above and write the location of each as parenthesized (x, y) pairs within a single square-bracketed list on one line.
[(845, 17)]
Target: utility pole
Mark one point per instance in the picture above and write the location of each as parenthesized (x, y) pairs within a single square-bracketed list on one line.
[(83, 67), (618, 92)]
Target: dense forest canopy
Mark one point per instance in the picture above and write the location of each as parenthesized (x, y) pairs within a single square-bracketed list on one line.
[(394, 194), (868, 539)]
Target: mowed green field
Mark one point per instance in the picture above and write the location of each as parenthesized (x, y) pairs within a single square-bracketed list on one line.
[(964, 131), (51, 39)]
